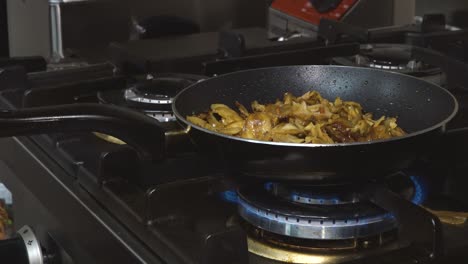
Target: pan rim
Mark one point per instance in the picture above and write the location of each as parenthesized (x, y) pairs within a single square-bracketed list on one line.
[(285, 144)]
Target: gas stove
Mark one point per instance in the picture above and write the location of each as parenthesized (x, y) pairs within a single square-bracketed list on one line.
[(91, 199)]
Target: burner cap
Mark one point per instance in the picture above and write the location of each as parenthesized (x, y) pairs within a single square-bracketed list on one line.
[(150, 94), (317, 195)]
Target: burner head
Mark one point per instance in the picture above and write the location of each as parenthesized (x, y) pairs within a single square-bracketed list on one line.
[(316, 195), (314, 224), (387, 57), (155, 92), (342, 217), (393, 57), (150, 94)]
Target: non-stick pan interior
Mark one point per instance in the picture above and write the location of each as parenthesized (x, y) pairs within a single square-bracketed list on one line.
[(418, 104)]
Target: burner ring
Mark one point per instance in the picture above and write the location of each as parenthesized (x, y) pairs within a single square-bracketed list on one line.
[(131, 95), (321, 195), (348, 221)]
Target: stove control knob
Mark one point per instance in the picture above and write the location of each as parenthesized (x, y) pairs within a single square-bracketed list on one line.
[(24, 248), (324, 6)]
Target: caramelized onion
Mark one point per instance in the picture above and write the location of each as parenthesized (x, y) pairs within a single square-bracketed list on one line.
[(309, 118)]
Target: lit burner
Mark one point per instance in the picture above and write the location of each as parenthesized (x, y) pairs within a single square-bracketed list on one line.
[(318, 195), (311, 222), (279, 216)]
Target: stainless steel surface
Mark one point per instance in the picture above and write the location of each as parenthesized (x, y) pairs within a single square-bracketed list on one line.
[(304, 199), (311, 196), (162, 116), (32, 244), (393, 57), (385, 67), (73, 33), (132, 95), (28, 28), (314, 227), (56, 32)]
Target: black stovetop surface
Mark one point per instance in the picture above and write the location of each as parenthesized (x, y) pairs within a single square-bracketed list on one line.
[(179, 207), (181, 201)]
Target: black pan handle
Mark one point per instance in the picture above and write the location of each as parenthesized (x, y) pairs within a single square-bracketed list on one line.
[(13, 251), (143, 133)]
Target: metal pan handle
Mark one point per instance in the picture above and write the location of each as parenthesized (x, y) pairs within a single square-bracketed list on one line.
[(143, 133)]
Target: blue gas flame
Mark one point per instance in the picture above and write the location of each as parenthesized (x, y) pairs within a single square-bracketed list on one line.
[(268, 186), (230, 196), (420, 190)]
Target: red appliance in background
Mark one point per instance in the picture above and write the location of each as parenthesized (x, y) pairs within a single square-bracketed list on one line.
[(313, 11), (301, 17)]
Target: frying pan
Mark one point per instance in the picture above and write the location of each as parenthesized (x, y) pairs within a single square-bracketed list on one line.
[(423, 109)]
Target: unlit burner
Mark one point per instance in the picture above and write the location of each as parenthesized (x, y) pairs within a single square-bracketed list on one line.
[(152, 94), (393, 57)]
